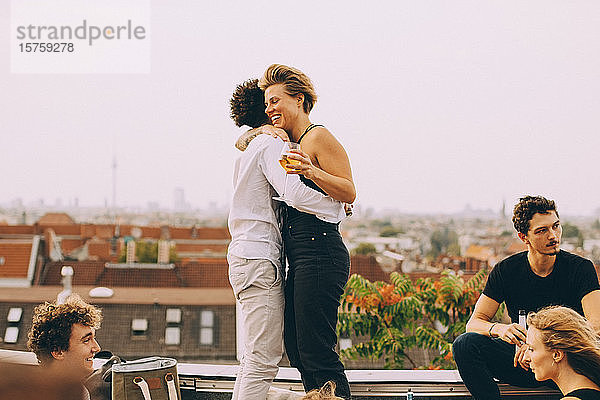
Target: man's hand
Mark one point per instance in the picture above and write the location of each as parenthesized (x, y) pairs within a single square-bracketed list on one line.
[(520, 358), (513, 333)]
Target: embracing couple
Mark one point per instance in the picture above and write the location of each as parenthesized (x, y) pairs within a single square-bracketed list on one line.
[(298, 308)]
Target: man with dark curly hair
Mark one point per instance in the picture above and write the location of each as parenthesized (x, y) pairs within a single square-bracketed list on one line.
[(541, 276), (255, 252), (63, 337)]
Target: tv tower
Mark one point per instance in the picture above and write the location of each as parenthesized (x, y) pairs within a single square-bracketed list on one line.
[(114, 182)]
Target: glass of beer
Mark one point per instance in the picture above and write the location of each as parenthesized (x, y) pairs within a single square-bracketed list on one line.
[(284, 160)]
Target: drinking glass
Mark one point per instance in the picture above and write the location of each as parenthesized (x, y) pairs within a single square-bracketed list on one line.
[(284, 160)]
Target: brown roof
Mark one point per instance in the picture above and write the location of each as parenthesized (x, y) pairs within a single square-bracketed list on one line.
[(201, 247), (56, 219), (16, 255), (482, 253), (515, 246), (212, 273), (367, 267), (169, 296), (17, 230), (99, 249), (68, 245)]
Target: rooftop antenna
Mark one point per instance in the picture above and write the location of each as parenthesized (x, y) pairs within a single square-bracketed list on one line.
[(114, 182), (114, 176)]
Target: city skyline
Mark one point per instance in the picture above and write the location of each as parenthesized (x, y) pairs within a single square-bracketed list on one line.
[(437, 105)]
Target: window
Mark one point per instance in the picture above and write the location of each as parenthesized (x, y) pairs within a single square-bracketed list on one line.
[(11, 335), (173, 315), (207, 324), (172, 335), (15, 314), (139, 326)]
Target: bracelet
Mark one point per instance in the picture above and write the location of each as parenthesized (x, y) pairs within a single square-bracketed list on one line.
[(490, 330)]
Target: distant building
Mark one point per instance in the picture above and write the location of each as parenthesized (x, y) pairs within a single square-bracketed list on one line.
[(189, 324)]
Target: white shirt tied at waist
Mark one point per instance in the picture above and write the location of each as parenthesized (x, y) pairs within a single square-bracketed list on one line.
[(258, 177)]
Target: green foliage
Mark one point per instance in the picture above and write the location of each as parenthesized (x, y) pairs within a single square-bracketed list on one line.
[(442, 241), (570, 230), (381, 223), (364, 249), (453, 249), (402, 314), (147, 252), (390, 231), (123, 256), (173, 257)]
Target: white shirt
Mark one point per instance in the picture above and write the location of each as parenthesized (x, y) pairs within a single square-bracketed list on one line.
[(258, 177)]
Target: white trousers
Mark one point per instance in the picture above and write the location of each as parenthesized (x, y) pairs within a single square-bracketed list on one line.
[(258, 287)]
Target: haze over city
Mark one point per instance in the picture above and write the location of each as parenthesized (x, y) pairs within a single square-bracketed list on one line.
[(438, 104)]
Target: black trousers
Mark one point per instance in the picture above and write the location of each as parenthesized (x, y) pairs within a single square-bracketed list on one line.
[(319, 265), (480, 359)]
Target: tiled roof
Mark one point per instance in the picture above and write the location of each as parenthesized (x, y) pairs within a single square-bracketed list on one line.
[(515, 246), (67, 245), (367, 267), (99, 249), (15, 255), (210, 273), (17, 230), (200, 247), (482, 253), (56, 219), (213, 273), (175, 296)]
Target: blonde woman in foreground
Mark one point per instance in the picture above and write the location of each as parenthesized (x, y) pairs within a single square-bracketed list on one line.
[(562, 346), (327, 392)]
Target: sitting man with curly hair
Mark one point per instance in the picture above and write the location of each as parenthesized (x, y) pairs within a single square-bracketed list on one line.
[(542, 276), (63, 337)]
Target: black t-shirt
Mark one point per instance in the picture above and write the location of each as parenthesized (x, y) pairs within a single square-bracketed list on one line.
[(513, 282), (585, 394)]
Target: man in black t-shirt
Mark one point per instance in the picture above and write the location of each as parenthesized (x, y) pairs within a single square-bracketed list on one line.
[(542, 276)]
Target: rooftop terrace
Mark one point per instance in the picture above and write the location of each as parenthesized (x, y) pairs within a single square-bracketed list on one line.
[(210, 381)]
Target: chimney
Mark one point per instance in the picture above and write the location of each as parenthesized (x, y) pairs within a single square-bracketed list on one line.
[(130, 259), (163, 251), (67, 281)]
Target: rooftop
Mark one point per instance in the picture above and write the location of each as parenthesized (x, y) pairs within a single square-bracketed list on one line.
[(210, 381)]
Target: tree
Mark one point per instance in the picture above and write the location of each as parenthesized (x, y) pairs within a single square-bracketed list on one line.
[(570, 230), (400, 315), (390, 231), (147, 252), (441, 241), (364, 249)]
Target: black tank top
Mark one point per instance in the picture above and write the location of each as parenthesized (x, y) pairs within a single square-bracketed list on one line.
[(585, 394), (307, 181), (293, 215)]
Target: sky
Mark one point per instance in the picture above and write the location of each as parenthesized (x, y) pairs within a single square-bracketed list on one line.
[(439, 104)]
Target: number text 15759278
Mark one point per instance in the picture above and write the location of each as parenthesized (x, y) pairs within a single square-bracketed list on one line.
[(37, 47)]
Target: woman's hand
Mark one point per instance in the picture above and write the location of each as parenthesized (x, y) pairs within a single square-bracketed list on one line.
[(521, 357), (244, 140), (305, 167), (275, 132)]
